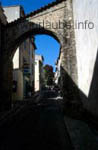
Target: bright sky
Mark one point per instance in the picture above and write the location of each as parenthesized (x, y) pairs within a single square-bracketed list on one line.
[(46, 45)]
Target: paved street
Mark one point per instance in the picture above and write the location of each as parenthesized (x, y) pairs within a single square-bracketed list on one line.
[(42, 125), (36, 126)]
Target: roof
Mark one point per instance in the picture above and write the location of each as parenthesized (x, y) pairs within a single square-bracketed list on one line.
[(45, 7)]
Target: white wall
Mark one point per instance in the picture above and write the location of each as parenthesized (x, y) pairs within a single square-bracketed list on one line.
[(37, 80), (16, 59), (86, 42), (12, 13)]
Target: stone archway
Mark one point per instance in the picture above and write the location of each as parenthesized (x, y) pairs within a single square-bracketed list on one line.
[(55, 19)]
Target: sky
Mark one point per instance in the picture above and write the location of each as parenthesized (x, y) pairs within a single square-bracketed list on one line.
[(46, 45)]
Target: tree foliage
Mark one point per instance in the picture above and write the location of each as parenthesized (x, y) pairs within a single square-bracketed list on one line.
[(48, 74)]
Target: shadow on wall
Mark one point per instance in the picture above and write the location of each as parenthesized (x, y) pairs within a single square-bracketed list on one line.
[(71, 92), (93, 93), (75, 100), (73, 105)]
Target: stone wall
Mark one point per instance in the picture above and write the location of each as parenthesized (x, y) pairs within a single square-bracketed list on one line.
[(69, 62)]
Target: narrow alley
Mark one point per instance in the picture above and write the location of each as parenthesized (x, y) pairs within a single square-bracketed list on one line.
[(36, 126), (43, 125), (49, 75)]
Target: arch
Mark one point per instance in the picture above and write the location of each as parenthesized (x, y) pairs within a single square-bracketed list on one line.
[(19, 30), (28, 34), (30, 25), (59, 11)]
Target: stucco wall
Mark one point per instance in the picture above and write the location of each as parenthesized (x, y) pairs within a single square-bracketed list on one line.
[(86, 44)]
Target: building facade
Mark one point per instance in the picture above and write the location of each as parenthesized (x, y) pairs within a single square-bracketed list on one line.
[(58, 71), (38, 72), (29, 67), (3, 23), (23, 72)]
